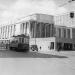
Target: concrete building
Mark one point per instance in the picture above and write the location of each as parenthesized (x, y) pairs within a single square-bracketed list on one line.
[(66, 19), (64, 37), (43, 31), (65, 30)]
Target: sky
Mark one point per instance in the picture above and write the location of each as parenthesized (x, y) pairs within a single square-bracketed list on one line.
[(12, 9)]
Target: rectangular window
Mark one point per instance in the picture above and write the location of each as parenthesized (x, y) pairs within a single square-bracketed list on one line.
[(0, 33), (23, 27), (11, 30), (48, 30), (52, 45), (52, 30), (14, 29), (38, 30), (22, 40), (59, 32), (32, 29), (68, 33), (8, 31), (27, 28), (3, 31), (64, 33), (42, 30)]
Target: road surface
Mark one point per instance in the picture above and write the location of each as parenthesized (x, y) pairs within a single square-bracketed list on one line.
[(51, 63)]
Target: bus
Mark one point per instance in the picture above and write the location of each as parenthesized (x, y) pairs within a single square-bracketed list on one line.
[(19, 43)]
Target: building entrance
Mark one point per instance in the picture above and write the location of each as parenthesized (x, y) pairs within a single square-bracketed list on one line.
[(67, 46), (59, 46)]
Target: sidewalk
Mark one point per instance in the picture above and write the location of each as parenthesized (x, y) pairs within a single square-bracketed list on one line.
[(61, 53)]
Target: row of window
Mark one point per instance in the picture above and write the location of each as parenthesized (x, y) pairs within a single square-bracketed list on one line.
[(7, 31), (64, 33)]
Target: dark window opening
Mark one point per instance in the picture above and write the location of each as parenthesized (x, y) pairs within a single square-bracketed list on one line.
[(67, 46), (52, 45), (59, 46)]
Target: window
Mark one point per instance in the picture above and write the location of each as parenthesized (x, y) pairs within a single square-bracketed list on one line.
[(27, 28), (42, 30), (59, 32), (68, 33), (52, 30), (0, 33), (38, 30), (64, 33), (22, 40), (23, 27), (47, 30), (11, 29), (3, 32), (74, 45), (32, 29), (52, 45), (6, 33), (15, 27)]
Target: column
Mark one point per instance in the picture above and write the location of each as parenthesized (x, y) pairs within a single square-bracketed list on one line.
[(29, 29), (24, 28), (71, 33), (35, 29), (45, 29), (40, 29)]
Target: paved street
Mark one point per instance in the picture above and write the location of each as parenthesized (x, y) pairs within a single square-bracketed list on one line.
[(14, 54), (49, 63)]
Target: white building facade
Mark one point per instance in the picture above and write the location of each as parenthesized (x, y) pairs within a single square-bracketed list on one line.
[(45, 31)]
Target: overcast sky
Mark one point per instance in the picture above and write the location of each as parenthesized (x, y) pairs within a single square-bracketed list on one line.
[(11, 9)]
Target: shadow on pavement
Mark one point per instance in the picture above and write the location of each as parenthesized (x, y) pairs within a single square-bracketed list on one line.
[(13, 54)]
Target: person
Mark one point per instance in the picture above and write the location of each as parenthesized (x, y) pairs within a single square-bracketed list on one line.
[(59, 48)]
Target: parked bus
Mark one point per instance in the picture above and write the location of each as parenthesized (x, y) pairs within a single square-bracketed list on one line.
[(19, 43)]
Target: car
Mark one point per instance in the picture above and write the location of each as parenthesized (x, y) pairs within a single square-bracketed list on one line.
[(34, 48)]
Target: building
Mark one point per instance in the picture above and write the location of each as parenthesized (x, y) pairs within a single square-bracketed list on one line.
[(65, 30), (64, 38), (66, 19), (43, 32)]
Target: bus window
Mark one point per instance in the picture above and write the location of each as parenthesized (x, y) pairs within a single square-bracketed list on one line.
[(19, 40), (52, 45), (27, 40), (22, 40)]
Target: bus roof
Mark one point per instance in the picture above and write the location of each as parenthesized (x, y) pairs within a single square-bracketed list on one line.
[(22, 35)]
